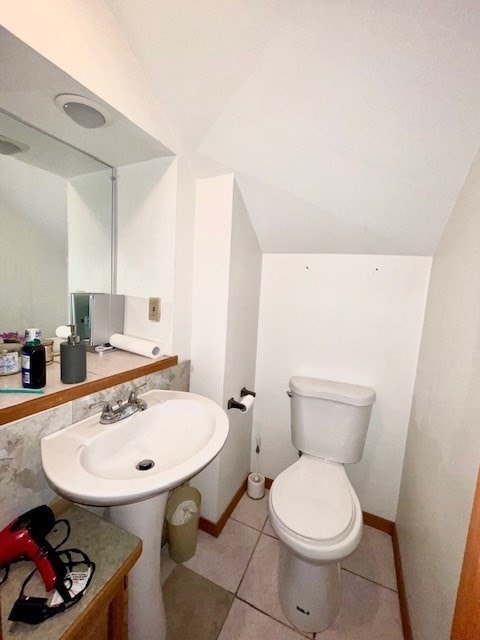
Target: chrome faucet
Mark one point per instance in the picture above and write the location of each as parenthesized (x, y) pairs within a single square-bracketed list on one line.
[(124, 408)]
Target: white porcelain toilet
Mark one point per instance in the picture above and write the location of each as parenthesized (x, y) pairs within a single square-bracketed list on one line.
[(312, 506)]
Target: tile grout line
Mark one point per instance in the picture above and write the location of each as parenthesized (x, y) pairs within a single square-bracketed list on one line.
[(235, 595), (359, 575), (250, 559), (270, 535), (248, 525), (262, 531), (246, 569), (271, 617)]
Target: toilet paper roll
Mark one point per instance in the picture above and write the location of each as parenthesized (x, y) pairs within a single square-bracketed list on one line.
[(142, 347), (248, 402), (256, 486)]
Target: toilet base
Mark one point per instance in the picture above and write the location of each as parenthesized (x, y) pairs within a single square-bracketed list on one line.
[(309, 593)]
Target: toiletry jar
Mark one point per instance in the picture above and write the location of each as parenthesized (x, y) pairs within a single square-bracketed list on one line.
[(10, 358)]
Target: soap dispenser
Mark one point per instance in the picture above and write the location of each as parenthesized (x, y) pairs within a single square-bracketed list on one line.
[(73, 359)]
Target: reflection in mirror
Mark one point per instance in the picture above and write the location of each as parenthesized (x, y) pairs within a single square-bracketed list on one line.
[(55, 227)]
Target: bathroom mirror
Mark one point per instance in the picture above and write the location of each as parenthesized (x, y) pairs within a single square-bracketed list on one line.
[(55, 201), (55, 227)]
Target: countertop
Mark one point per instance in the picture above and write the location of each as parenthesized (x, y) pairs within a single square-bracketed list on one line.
[(103, 371), (106, 545)]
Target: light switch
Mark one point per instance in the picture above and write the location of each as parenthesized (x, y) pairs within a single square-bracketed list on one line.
[(154, 309)]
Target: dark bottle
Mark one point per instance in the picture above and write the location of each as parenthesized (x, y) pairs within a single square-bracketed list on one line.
[(73, 359), (34, 374)]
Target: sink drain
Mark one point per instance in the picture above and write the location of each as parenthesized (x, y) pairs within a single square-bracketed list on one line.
[(145, 465)]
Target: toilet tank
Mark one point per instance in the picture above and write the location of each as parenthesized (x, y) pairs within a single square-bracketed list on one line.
[(330, 419)]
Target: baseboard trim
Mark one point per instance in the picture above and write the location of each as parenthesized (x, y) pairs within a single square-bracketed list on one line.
[(387, 526), (382, 524), (402, 594), (215, 528)]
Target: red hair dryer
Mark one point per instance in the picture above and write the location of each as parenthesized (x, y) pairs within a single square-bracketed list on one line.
[(24, 539)]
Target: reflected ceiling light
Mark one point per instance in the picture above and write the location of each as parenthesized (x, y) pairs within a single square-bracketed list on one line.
[(9, 147), (85, 112)]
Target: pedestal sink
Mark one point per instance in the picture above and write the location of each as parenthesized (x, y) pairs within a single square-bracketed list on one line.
[(130, 467)]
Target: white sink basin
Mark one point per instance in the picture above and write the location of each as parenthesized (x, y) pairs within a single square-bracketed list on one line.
[(95, 464)]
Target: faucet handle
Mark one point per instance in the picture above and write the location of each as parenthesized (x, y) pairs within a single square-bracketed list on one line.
[(118, 400), (132, 398), (106, 406)]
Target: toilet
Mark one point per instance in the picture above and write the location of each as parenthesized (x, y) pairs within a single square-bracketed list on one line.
[(312, 506)]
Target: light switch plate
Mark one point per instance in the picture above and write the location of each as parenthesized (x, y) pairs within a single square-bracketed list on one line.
[(154, 309)]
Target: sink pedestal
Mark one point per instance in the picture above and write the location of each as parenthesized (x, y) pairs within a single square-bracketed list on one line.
[(146, 613), (91, 463)]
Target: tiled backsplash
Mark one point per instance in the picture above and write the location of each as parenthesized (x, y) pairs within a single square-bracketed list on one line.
[(22, 482)]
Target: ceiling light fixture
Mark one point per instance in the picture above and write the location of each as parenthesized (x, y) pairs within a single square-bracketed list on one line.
[(9, 147), (85, 112)]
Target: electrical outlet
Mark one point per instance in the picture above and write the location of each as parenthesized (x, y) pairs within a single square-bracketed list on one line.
[(154, 309)]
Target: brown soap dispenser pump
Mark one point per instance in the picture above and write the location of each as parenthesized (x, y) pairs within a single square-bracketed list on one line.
[(73, 359)]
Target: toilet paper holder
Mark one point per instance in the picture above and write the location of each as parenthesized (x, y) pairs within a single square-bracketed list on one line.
[(234, 404)]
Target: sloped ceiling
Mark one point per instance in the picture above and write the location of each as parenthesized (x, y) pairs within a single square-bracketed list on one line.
[(350, 126)]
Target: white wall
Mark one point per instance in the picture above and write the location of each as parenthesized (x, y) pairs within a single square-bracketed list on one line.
[(213, 230), (240, 356), (227, 265), (184, 243), (443, 446), (89, 200), (211, 267), (146, 245), (342, 317), (33, 229)]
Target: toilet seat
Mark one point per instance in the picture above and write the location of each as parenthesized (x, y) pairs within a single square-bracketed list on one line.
[(315, 511)]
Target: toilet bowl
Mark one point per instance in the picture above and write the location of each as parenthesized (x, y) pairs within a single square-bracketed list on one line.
[(317, 517), (312, 505), (315, 511)]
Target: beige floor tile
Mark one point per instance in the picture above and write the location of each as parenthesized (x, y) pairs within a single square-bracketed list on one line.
[(223, 560), (374, 558), (268, 529), (259, 586), (246, 623), (252, 512), (260, 583), (194, 607), (367, 612)]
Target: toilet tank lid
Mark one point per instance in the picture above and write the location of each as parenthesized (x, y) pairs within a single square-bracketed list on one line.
[(344, 392)]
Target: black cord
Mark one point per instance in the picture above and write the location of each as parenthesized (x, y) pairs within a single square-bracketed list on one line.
[(5, 576), (67, 535), (35, 610), (26, 581), (71, 564)]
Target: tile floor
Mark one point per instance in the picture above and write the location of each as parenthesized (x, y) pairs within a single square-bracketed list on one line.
[(228, 590)]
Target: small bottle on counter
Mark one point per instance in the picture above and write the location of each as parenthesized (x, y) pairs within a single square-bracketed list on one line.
[(34, 373), (73, 359)]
